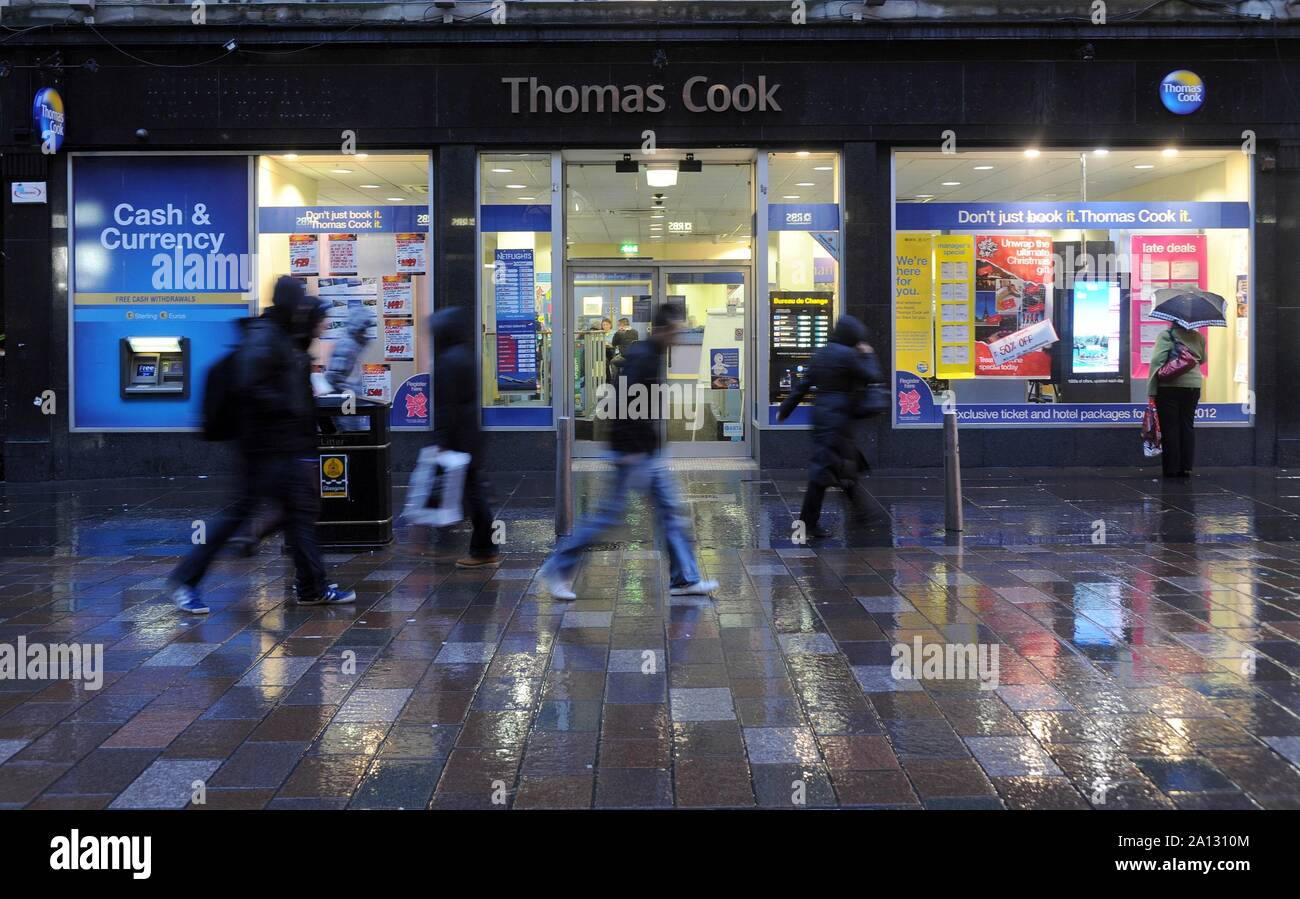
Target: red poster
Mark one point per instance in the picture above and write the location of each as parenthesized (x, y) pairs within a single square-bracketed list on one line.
[(1013, 290), (1159, 260)]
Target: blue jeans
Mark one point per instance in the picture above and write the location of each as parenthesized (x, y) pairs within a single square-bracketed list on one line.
[(634, 469)]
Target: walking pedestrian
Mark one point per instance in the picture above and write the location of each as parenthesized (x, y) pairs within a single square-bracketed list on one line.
[(277, 444), (343, 371), (840, 375), (1176, 399), (635, 453), (456, 426)]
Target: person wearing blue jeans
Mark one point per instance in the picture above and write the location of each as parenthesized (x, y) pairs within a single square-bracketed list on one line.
[(634, 452)]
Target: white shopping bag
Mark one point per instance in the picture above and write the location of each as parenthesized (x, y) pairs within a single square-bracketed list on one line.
[(437, 486)]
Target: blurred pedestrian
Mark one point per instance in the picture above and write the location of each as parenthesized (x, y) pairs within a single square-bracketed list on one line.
[(840, 375), (343, 371), (456, 425), (635, 453), (1176, 399), (277, 443)]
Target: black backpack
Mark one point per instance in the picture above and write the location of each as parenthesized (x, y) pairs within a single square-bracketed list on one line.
[(221, 399)]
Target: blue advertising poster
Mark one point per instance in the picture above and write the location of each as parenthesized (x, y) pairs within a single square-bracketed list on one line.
[(915, 404), (341, 219), (410, 407), (724, 368), (1019, 216), (161, 248), (516, 320)]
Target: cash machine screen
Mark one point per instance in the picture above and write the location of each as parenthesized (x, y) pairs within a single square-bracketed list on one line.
[(145, 371)]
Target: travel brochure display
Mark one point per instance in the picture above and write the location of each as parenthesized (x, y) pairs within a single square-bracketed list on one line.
[(516, 320), (954, 262), (800, 323), (397, 296), (1159, 260), (342, 254), (342, 294), (411, 254), (1013, 306), (304, 254), (399, 340)]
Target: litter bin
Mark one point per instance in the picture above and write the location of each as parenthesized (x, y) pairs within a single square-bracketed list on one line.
[(355, 475)]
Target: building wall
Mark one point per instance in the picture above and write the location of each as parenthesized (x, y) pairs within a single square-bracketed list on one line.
[(860, 99)]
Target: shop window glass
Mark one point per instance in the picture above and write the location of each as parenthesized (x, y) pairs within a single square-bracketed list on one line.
[(355, 229), (803, 261), (1024, 281), (515, 284)]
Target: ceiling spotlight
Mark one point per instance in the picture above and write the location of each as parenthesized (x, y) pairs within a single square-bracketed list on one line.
[(627, 165), (1144, 165), (950, 183), (341, 171), (690, 164), (1101, 151), (1032, 153), (396, 199), (503, 171), (370, 186), (516, 186), (661, 177), (805, 184), (983, 168), (1169, 151)]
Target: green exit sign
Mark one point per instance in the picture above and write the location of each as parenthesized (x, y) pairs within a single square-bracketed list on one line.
[(629, 249)]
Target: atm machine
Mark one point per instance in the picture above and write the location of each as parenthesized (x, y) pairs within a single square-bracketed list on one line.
[(155, 367)]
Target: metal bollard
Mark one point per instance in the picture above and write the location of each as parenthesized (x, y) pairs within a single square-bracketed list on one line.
[(563, 476), (952, 511)]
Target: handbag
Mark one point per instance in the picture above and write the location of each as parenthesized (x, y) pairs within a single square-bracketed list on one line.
[(1180, 361), (1151, 444), (437, 488)]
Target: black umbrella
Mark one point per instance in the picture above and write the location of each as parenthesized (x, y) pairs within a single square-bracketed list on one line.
[(1190, 307)]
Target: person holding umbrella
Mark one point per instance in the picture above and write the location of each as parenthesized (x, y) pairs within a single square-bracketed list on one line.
[(1174, 385)]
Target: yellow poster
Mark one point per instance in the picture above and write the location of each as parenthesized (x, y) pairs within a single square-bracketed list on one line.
[(954, 270), (914, 303)]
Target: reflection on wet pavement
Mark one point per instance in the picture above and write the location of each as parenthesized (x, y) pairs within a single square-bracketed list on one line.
[(1092, 640)]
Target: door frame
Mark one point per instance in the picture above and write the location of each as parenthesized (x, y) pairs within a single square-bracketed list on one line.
[(660, 270)]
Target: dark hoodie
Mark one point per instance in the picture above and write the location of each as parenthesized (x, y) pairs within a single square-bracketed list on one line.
[(275, 373), (455, 384), (839, 374)]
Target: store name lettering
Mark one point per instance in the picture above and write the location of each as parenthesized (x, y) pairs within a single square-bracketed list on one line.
[(1085, 216), (698, 95)]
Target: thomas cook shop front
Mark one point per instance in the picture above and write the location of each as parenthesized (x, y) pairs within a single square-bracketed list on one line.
[(1002, 241)]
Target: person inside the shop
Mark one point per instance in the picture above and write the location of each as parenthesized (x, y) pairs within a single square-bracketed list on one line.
[(635, 452), (456, 426), (1176, 398), (343, 371), (277, 443), (839, 376)]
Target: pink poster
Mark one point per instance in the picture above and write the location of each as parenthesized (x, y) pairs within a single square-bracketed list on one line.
[(1013, 292), (1159, 260)]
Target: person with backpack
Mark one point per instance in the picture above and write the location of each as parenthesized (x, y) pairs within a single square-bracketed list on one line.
[(268, 392), (636, 457), (456, 425), (841, 373)]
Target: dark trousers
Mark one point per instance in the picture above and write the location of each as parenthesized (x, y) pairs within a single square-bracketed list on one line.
[(475, 503), (289, 485), (811, 511), (1176, 408)]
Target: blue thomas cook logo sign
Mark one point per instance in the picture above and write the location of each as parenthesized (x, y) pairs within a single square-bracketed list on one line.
[(49, 119), (1182, 92)]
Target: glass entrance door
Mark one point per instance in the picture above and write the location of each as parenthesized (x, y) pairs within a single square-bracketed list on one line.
[(702, 402), (707, 368)]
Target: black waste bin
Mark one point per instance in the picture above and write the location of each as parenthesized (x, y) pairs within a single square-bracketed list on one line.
[(355, 475)]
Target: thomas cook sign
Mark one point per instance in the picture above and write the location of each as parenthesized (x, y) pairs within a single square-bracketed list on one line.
[(698, 94)]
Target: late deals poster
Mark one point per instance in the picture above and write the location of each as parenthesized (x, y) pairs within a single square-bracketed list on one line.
[(1013, 291), (1159, 260)]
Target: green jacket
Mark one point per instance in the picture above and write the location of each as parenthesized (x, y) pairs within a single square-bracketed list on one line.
[(1164, 348)]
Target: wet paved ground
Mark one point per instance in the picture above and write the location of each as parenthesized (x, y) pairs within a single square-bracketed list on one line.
[(1156, 669)]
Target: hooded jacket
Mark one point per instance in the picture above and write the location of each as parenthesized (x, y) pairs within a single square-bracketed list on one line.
[(279, 409), (343, 371), (839, 374), (455, 385)]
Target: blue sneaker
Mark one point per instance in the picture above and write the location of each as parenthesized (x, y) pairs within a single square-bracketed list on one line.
[(187, 600), (332, 596)]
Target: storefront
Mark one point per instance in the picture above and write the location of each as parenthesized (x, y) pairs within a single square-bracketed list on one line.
[(1001, 238)]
